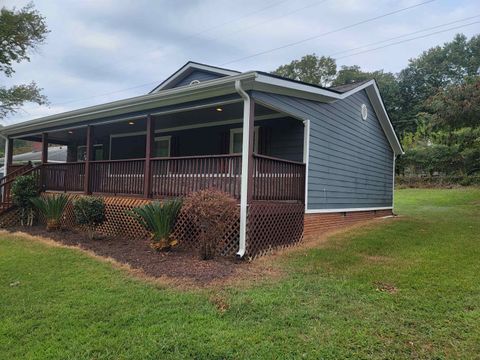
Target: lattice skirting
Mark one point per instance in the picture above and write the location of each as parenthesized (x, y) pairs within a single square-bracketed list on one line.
[(119, 223), (273, 225), (187, 233)]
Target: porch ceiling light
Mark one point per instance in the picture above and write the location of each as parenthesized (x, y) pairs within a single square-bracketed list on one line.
[(131, 123), (219, 109), (70, 131)]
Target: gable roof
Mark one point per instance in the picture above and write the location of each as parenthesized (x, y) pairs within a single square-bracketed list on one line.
[(164, 95), (187, 69), (347, 87)]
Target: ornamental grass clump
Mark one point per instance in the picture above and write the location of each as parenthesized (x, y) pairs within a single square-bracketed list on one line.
[(212, 212), (89, 211), (159, 219), (25, 188), (51, 207)]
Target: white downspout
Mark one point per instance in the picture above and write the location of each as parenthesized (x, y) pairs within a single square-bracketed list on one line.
[(244, 179), (393, 182), (6, 154), (306, 156)]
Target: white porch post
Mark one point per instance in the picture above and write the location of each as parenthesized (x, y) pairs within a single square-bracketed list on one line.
[(247, 164), (306, 156), (6, 156)]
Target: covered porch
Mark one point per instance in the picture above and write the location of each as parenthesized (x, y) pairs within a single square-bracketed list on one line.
[(171, 152)]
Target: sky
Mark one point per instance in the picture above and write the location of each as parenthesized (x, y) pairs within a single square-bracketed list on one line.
[(105, 50)]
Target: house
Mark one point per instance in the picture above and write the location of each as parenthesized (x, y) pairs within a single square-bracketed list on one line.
[(56, 154), (299, 158)]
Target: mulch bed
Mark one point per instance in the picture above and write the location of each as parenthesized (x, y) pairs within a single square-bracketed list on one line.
[(177, 263)]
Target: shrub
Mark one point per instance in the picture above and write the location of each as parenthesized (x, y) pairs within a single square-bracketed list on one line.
[(51, 207), (159, 219), (211, 211), (23, 189), (89, 211)]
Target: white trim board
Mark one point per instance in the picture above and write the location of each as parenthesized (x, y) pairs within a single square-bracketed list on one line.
[(324, 211)]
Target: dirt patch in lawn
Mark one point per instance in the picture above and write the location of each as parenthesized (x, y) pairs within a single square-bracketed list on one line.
[(179, 267)]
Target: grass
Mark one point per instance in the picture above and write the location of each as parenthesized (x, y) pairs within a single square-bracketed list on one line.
[(406, 288)]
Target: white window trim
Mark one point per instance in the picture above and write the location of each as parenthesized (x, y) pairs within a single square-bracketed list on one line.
[(240, 131), (169, 138)]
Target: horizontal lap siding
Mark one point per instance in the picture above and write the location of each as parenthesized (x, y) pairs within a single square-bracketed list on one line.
[(350, 164), (197, 75)]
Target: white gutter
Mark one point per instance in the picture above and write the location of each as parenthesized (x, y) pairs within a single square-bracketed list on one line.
[(244, 180)]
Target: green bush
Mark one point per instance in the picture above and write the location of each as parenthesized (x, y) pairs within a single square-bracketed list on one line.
[(89, 211), (24, 188), (159, 219), (51, 207)]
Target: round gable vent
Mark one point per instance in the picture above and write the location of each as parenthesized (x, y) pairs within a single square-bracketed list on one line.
[(194, 82), (364, 112)]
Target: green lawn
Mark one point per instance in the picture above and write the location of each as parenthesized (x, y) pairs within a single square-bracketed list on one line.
[(61, 304)]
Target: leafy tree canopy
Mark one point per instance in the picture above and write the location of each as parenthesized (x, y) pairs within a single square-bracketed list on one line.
[(21, 32), (313, 69), (456, 106)]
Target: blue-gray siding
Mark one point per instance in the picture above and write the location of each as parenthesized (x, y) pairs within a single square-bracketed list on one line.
[(351, 161), (199, 75)]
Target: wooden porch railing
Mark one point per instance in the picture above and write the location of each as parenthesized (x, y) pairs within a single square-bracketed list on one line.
[(182, 175), (14, 171), (273, 179), (278, 179), (63, 177), (6, 187), (117, 176)]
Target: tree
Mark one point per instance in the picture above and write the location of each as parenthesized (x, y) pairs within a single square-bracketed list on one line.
[(311, 69), (21, 31), (434, 70), (456, 106)]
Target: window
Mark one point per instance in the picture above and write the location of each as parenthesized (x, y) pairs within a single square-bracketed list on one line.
[(236, 140), (161, 146), (97, 152)]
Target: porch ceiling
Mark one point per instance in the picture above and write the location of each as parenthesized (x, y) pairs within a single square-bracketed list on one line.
[(213, 115)]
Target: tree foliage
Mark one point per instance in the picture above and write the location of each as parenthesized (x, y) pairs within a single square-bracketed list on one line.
[(456, 106), (21, 32), (313, 69), (434, 103)]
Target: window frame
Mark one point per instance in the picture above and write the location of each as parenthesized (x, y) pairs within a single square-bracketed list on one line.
[(169, 139), (234, 131)]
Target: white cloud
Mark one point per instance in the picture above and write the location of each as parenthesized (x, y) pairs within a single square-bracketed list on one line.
[(100, 47)]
